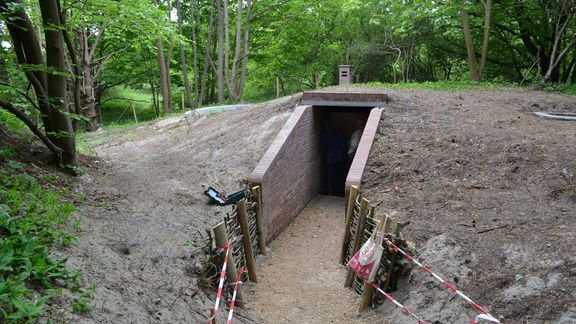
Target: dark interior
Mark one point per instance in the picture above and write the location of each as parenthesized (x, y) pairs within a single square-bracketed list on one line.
[(337, 126)]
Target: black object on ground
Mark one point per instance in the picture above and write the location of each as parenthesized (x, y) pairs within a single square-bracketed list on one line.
[(221, 199)]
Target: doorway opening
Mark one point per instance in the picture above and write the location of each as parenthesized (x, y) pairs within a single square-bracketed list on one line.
[(341, 130)]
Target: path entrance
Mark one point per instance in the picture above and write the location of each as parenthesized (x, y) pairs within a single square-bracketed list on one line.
[(301, 281)]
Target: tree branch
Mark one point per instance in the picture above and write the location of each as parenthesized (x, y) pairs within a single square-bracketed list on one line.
[(20, 115)]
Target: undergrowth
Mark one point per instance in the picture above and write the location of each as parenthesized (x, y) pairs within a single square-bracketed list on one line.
[(32, 218)]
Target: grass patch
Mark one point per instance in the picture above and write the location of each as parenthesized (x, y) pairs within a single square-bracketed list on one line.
[(32, 219), (441, 85), (116, 110)]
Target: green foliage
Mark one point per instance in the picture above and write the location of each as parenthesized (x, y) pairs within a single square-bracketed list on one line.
[(14, 125), (31, 219), (6, 152)]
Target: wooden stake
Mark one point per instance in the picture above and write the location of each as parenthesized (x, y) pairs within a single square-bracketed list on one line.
[(212, 313), (134, 112), (182, 99), (359, 237), (393, 255), (354, 192), (277, 87), (231, 271), (257, 192), (367, 292), (246, 240)]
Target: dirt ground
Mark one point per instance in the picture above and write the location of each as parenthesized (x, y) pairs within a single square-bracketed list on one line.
[(490, 190), (454, 163), (300, 279), (145, 211)]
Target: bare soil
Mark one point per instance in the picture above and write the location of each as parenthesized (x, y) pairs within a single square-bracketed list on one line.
[(454, 163), (490, 190), (300, 279), (145, 212)]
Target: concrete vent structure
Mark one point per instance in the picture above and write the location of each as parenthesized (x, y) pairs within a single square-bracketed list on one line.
[(292, 171), (346, 74)]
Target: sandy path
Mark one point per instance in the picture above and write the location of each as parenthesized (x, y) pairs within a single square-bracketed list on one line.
[(301, 281)]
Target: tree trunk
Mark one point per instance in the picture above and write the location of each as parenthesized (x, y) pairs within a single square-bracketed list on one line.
[(75, 71), (88, 94), (188, 92), (164, 86), (163, 77), (169, 56), (234, 84), (469, 45), (487, 21), (220, 67), (227, 46), (63, 134), (246, 49), (194, 52), (206, 59), (553, 71)]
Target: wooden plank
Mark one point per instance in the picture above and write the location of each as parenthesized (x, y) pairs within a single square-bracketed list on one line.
[(246, 240), (359, 236), (231, 271), (257, 192), (354, 192)]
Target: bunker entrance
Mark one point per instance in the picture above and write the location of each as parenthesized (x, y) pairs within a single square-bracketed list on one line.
[(297, 165), (340, 131)]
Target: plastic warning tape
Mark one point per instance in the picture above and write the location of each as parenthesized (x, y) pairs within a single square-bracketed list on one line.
[(453, 288), (222, 278), (233, 303), (404, 308)]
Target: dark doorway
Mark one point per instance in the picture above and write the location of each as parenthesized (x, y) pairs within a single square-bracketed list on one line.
[(341, 129)]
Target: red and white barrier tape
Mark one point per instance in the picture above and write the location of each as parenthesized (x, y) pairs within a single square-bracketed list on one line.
[(486, 315), (404, 308), (233, 303), (222, 278)]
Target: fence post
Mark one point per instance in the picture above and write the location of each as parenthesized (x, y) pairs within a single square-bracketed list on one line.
[(257, 192), (231, 271), (134, 112), (393, 256), (354, 192), (212, 314), (359, 236), (246, 240)]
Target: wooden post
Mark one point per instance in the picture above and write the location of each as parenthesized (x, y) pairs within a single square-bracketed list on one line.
[(231, 271), (212, 313), (246, 240), (257, 192), (393, 255), (359, 236), (368, 290), (182, 99), (277, 87), (354, 192), (134, 112)]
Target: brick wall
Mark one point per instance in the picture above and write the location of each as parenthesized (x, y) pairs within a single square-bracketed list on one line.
[(289, 172)]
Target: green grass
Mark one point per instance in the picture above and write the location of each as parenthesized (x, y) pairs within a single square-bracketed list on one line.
[(32, 218), (441, 85), (115, 107)]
